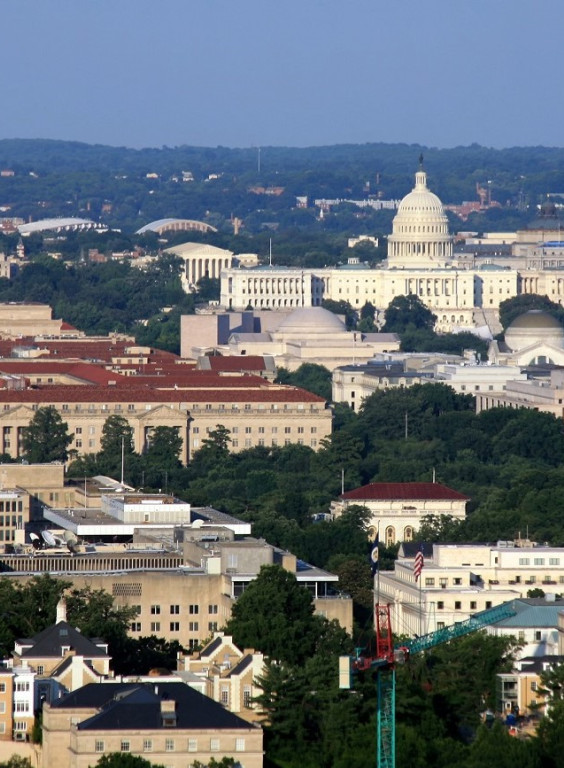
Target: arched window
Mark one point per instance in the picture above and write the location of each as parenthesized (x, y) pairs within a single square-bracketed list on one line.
[(408, 533), (390, 535)]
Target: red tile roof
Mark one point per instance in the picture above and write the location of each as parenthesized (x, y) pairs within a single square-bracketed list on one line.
[(92, 394), (237, 363), (403, 491)]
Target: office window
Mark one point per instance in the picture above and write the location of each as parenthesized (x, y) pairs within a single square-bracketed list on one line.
[(225, 696), (212, 626), (457, 605), (248, 430), (175, 609), (147, 745), (554, 561), (169, 745), (193, 609), (214, 745), (239, 745), (488, 603), (155, 626), (534, 686), (2, 687), (287, 430), (212, 609), (125, 746), (440, 605), (538, 635), (473, 605), (440, 625), (40, 669), (524, 561), (175, 626), (192, 745), (136, 626), (247, 696), (429, 582), (538, 561), (193, 626), (2, 707), (155, 610), (99, 746), (457, 582)]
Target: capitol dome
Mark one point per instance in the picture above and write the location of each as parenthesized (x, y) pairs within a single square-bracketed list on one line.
[(420, 236), (534, 327), (311, 320)]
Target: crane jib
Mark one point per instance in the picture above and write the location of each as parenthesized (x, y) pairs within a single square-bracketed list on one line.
[(460, 628)]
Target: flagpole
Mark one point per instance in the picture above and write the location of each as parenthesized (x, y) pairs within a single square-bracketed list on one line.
[(420, 607)]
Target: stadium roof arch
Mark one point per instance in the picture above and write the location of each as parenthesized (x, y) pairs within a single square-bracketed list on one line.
[(175, 225), (69, 224)]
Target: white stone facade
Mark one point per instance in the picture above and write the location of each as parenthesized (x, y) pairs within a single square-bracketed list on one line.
[(421, 261), (461, 580)]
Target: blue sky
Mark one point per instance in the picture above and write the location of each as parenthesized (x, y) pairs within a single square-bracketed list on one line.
[(283, 72)]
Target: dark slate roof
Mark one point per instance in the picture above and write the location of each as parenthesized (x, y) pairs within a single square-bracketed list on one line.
[(403, 491), (241, 666), (50, 642), (539, 664), (130, 706), (213, 646)]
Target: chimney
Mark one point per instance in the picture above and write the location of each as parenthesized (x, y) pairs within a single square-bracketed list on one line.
[(168, 713), (61, 611)]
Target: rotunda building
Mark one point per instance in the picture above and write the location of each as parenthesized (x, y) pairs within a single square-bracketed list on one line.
[(420, 238), (532, 328)]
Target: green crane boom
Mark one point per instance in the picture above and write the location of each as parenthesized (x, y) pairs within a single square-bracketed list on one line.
[(386, 658)]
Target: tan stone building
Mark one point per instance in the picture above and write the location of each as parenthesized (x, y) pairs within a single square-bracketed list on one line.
[(166, 723), (182, 585), (19, 319), (230, 674), (253, 410), (6, 704)]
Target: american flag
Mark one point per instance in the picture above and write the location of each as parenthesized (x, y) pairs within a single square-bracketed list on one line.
[(418, 563)]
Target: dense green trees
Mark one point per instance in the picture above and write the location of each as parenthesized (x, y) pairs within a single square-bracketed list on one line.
[(125, 760), (408, 312), (311, 376), (46, 438), (518, 305)]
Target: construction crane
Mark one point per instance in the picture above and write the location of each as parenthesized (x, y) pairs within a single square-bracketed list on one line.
[(388, 655)]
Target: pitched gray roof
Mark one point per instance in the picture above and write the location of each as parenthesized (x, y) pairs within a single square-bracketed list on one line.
[(132, 706), (50, 642)]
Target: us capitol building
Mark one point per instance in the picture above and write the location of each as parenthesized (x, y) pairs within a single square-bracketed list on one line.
[(464, 292)]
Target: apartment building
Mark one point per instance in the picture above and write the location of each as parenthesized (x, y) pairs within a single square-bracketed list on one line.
[(230, 675), (167, 723), (520, 691)]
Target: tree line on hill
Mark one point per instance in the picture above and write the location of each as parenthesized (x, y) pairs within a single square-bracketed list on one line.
[(57, 178)]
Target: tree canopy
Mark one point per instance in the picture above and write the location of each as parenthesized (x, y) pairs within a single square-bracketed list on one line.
[(46, 439)]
